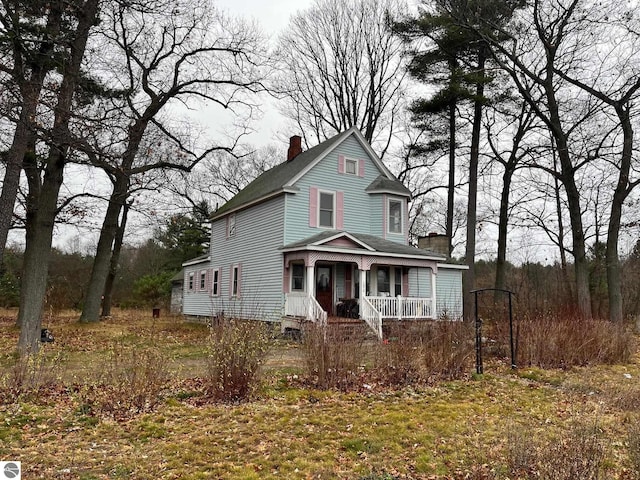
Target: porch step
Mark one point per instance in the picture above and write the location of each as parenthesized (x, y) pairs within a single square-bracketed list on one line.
[(351, 328)]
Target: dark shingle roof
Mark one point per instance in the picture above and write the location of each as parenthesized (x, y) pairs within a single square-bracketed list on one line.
[(385, 184), (273, 180), (379, 245)]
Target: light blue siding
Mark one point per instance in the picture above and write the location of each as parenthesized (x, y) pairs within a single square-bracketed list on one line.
[(195, 301), (420, 282), (449, 292), (363, 212), (255, 248)]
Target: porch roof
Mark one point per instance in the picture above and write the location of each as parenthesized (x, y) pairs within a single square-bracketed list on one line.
[(362, 244)]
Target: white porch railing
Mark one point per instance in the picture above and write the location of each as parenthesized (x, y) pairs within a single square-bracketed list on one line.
[(371, 316), (305, 306), (402, 307)]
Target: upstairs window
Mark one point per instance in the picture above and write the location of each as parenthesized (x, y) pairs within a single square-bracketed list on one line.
[(394, 216), (203, 280), (191, 280), (326, 210)]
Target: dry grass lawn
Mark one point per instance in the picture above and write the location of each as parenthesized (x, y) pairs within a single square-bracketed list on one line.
[(496, 426)]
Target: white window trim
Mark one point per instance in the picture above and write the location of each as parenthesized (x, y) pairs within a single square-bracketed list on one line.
[(215, 283), (303, 278), (334, 211), (388, 227), (235, 281)]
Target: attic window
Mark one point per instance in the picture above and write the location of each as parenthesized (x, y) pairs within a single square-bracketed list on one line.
[(350, 166), (231, 225)]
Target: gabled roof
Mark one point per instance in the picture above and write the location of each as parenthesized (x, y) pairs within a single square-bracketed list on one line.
[(282, 177), (370, 245), (195, 261)]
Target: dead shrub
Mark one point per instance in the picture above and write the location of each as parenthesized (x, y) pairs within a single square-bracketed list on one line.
[(448, 349), (29, 376), (235, 352), (418, 352), (633, 446), (132, 382), (550, 341), (334, 356), (397, 360), (579, 454)]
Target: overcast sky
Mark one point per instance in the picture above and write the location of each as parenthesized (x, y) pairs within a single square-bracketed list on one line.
[(272, 15)]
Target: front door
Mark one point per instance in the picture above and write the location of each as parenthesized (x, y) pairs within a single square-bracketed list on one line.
[(324, 288)]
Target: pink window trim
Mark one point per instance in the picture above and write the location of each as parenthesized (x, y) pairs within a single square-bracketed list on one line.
[(313, 207), (361, 168), (339, 210), (341, 168), (286, 279)]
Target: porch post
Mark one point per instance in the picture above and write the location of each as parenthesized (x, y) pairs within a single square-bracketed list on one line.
[(363, 283), (310, 278), (434, 314)]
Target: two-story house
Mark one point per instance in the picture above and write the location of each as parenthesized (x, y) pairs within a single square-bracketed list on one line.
[(323, 234)]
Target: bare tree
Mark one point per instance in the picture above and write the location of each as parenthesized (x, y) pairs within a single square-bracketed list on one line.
[(616, 85), (194, 54), (342, 67), (44, 184), (542, 41)]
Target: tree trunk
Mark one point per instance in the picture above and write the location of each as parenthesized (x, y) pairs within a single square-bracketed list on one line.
[(452, 176), (469, 276), (41, 213), (614, 281), (115, 259), (23, 136), (581, 264), (101, 262), (503, 222), (567, 176)]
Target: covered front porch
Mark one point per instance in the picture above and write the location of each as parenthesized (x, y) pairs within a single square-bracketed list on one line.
[(366, 284)]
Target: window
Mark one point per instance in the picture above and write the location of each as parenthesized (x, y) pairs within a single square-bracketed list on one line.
[(203, 280), (397, 281), (297, 277), (235, 281), (395, 216), (383, 280), (325, 212), (351, 166), (191, 280), (215, 285), (231, 226)]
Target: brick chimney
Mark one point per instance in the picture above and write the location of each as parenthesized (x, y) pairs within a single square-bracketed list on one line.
[(435, 242), (295, 147)]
